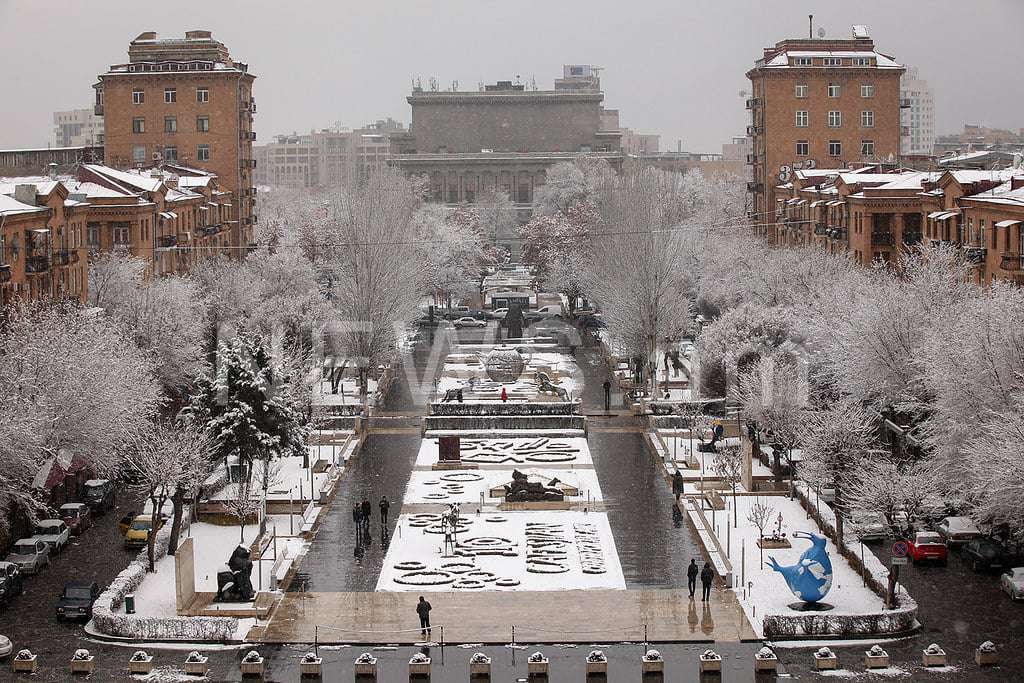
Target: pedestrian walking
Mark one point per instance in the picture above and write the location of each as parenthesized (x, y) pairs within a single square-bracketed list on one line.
[(707, 577), (357, 519), (678, 486), (691, 577), (423, 611), (384, 506), (607, 396), (504, 394), (367, 510)]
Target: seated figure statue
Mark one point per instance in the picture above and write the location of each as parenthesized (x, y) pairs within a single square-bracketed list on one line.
[(522, 490), (234, 581)]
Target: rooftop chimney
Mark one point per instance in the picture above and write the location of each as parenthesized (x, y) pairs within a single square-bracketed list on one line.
[(810, 26), (52, 167), (26, 194)]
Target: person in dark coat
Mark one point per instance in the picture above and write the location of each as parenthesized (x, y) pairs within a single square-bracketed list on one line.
[(607, 396), (357, 518), (384, 506), (691, 577), (707, 577), (677, 484), (423, 610), (367, 510)]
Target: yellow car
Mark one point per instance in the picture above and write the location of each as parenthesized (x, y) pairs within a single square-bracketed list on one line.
[(138, 532)]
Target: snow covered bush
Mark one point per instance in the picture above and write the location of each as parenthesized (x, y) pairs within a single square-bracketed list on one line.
[(536, 657), (365, 658), (596, 656), (81, 655), (419, 658), (824, 653), (652, 656), (195, 657), (988, 647), (252, 656), (310, 657), (480, 658), (140, 656), (765, 653), (24, 655), (710, 655)]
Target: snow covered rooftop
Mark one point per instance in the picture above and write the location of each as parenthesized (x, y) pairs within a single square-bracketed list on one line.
[(781, 60), (1010, 198), (10, 206), (44, 185), (137, 180)]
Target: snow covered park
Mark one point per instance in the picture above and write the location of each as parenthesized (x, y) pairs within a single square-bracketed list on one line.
[(507, 453), (519, 551)]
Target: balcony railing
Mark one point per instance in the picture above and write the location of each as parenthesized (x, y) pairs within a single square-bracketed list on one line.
[(37, 264), (881, 239), (5, 273), (1013, 263)]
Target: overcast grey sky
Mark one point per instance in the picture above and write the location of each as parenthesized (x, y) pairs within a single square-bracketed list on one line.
[(673, 67)]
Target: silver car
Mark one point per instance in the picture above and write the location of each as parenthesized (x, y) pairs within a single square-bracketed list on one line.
[(30, 554), (1012, 582)]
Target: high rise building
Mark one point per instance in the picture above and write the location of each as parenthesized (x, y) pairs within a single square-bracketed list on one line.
[(76, 128), (186, 101), (918, 114), (820, 102)]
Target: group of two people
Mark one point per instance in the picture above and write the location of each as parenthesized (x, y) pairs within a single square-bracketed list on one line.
[(707, 578)]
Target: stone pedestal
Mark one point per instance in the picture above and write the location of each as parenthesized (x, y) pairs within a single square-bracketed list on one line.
[(825, 663)]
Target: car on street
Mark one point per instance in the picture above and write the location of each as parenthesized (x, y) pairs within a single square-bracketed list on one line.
[(11, 581), (499, 313), (957, 530), (928, 546), (54, 532), (77, 599), (99, 494), (469, 322), (869, 526), (985, 553), (30, 554), (125, 522), (138, 533), (1012, 582), (6, 647), (77, 516), (593, 322)]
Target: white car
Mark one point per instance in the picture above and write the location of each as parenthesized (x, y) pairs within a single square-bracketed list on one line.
[(470, 322), (499, 313), (1013, 583), (869, 526), (958, 529), (30, 554), (54, 532)]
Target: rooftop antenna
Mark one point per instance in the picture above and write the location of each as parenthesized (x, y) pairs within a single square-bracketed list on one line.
[(810, 24)]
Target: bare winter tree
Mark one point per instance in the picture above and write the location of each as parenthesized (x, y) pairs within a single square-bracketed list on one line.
[(760, 515), (891, 488), (729, 468), (243, 503), (773, 393)]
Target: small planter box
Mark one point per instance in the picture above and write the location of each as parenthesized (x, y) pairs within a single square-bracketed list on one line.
[(313, 668), (480, 668), (537, 668), (708, 665), (934, 659), (876, 661), (597, 667), (825, 663), (766, 663), (26, 665), (419, 668), (773, 543), (652, 666), (986, 658), (83, 666), (140, 666), (199, 668), (255, 668), (367, 668)]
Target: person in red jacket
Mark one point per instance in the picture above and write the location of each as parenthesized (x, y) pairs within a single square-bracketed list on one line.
[(504, 394)]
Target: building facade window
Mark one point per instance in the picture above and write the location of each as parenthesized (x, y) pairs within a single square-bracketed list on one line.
[(835, 148), (834, 89), (202, 95), (138, 125), (92, 236), (832, 61), (170, 124), (835, 119), (139, 153), (170, 95), (867, 90), (802, 119), (203, 153), (801, 90), (171, 153), (867, 148), (122, 234), (803, 148), (203, 124), (138, 96), (862, 61), (801, 61), (867, 119)]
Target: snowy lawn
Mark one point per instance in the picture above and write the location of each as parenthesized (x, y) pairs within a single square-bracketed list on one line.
[(459, 368), (466, 486), (289, 478), (678, 450), (348, 392), (507, 453), (525, 551)]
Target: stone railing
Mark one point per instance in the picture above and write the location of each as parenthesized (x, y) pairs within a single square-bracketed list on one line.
[(456, 409)]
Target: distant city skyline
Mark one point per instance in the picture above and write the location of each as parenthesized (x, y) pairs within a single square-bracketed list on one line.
[(673, 69)]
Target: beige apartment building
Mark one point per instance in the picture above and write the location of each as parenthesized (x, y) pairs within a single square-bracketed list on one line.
[(820, 103), (184, 101)]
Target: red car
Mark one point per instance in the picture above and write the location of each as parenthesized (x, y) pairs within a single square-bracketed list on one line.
[(928, 546), (76, 516)]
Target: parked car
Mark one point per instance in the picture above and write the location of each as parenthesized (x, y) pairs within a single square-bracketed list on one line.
[(77, 599), (469, 322), (138, 533), (1012, 582), (593, 322), (11, 581), (77, 516), (125, 522), (499, 313), (984, 553), (957, 530), (6, 648), (549, 310), (30, 554), (869, 526), (928, 546), (99, 494), (54, 532)]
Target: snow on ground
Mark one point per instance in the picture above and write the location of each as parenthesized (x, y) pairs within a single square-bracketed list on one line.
[(348, 392), (524, 551), (460, 368), (289, 478), (507, 453), (677, 444), (770, 594), (465, 486)]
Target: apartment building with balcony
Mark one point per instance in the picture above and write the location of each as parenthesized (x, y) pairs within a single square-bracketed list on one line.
[(187, 101), (820, 103)]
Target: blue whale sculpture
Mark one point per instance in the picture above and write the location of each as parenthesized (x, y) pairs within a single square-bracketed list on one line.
[(810, 578)]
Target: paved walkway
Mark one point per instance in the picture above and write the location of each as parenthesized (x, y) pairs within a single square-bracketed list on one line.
[(488, 617)]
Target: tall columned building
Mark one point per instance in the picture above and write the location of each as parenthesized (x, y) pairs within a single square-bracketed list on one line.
[(820, 103), (918, 114), (184, 101)]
